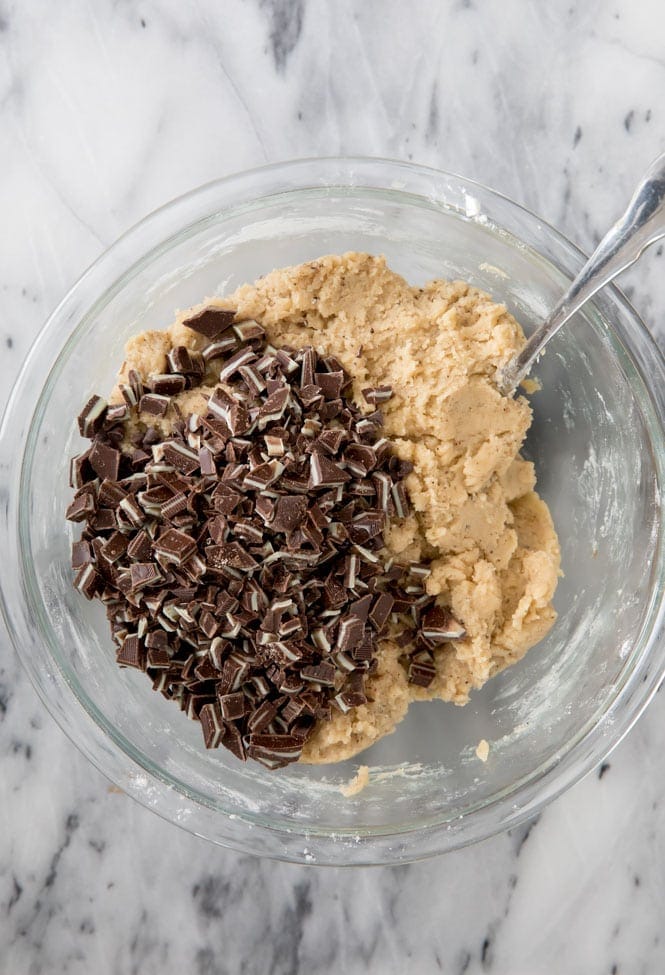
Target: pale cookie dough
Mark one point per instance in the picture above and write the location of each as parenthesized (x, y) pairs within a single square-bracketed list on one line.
[(492, 545)]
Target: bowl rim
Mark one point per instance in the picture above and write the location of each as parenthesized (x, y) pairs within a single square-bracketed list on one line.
[(289, 845)]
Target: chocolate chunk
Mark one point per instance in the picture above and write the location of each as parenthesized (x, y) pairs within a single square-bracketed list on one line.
[(360, 608), (262, 716), (323, 673), (211, 725), (105, 460), (400, 500), (232, 740), (144, 574), (330, 383), (230, 555), (439, 626), (311, 397), (91, 418), (135, 384), (116, 414), (330, 440), (264, 475), (350, 633), (110, 494), (330, 409), (249, 330), (80, 470), (114, 547), (220, 404), (153, 404), (158, 659), (381, 610), (81, 508), (131, 653), (218, 349), (274, 407), (88, 581), (140, 547), (211, 321), (233, 706), (242, 357), (290, 513), (378, 394), (182, 360), (157, 640), (360, 459), (180, 456), (326, 473), (253, 379), (421, 670), (207, 462), (81, 554), (274, 750), (166, 384), (130, 512), (174, 546), (367, 525)]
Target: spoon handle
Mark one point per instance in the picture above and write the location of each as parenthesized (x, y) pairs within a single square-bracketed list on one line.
[(642, 223)]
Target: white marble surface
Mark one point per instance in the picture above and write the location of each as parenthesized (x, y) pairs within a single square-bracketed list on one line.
[(109, 108)]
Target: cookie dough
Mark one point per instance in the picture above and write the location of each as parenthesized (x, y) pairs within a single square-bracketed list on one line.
[(477, 519)]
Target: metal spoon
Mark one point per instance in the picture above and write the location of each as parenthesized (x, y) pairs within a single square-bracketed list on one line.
[(641, 225)]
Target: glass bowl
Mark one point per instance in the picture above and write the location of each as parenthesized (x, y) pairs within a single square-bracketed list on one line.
[(597, 443)]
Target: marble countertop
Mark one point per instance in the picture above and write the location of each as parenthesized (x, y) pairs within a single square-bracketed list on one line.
[(109, 109)]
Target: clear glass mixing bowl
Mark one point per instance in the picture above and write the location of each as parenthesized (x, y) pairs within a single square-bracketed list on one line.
[(597, 442)]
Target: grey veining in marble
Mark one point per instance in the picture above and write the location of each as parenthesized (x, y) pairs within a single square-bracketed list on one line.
[(108, 109)]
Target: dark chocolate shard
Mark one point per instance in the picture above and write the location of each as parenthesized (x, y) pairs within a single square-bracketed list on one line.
[(105, 460), (381, 610), (182, 360), (360, 459), (219, 348), (114, 547), (233, 706), (350, 633), (439, 626), (366, 525), (166, 384), (154, 404), (274, 407), (324, 472), (180, 456), (330, 383), (377, 394), (81, 554), (92, 416), (290, 513), (174, 546), (81, 508), (132, 653), (421, 671), (211, 725), (230, 555), (278, 748), (211, 321), (144, 574), (88, 581), (249, 330), (242, 357)]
